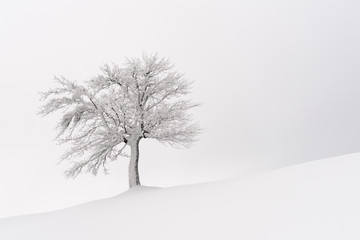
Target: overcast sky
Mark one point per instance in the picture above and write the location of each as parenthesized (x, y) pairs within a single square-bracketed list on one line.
[(278, 82)]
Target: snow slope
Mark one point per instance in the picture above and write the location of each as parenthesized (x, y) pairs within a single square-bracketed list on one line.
[(315, 200)]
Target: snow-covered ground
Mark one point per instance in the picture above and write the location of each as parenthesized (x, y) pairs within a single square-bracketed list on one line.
[(315, 200)]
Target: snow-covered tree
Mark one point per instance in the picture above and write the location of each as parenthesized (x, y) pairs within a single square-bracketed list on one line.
[(116, 109)]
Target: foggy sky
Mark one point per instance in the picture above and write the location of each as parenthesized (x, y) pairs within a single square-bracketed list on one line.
[(278, 82)]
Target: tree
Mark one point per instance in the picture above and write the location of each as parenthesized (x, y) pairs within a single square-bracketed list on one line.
[(117, 109)]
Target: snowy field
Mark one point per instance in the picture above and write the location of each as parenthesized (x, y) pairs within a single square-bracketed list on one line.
[(315, 200)]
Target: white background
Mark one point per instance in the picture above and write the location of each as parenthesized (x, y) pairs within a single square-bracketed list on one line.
[(279, 82)]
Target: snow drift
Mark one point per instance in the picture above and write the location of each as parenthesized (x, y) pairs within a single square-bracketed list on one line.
[(315, 200)]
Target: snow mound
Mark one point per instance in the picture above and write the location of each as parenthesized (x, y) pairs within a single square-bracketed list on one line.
[(315, 200)]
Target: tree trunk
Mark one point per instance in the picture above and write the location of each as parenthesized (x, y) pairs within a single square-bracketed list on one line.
[(134, 179)]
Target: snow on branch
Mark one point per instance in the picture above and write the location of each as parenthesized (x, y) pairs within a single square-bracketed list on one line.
[(120, 106)]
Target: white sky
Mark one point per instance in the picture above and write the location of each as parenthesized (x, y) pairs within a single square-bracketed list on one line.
[(279, 82)]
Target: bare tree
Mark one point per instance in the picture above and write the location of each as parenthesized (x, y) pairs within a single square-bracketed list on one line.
[(118, 108)]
